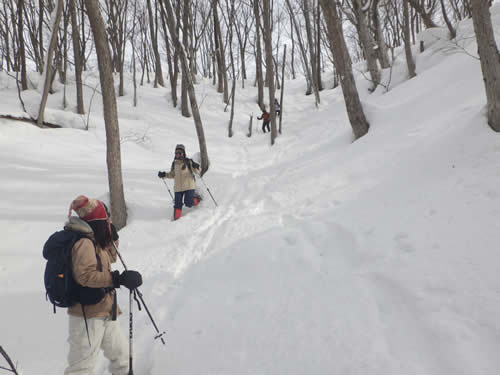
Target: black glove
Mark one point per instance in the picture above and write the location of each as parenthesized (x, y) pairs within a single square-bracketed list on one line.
[(129, 279), (162, 174)]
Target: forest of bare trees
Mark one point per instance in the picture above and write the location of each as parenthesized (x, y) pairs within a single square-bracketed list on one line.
[(223, 40), (229, 43)]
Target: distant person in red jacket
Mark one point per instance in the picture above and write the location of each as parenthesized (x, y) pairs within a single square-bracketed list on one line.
[(267, 118)]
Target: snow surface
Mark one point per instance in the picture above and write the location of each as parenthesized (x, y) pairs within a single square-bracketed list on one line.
[(323, 256)]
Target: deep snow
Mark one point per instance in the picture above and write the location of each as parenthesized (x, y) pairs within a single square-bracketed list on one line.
[(323, 256)]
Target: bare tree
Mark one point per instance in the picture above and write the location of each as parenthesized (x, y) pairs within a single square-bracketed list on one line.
[(489, 56), (342, 62), (154, 43), (307, 69), (268, 42), (231, 12), (78, 58), (406, 36), (21, 52), (47, 74), (312, 55), (367, 41), (379, 36), (282, 87), (113, 153), (258, 56), (9, 362), (424, 11), (184, 73), (453, 32)]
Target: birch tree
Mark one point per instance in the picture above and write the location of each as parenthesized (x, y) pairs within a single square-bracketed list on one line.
[(47, 72), (342, 62), (489, 56), (113, 153)]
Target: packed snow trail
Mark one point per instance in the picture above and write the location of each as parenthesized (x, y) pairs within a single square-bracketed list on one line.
[(323, 257)]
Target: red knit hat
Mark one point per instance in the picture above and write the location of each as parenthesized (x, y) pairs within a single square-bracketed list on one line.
[(88, 209)]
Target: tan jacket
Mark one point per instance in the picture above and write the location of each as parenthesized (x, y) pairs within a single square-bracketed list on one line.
[(183, 178), (92, 268)]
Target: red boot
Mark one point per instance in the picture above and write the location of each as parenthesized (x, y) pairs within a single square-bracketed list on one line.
[(177, 213), (196, 201)]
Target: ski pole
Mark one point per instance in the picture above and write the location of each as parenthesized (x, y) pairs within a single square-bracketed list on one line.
[(160, 334), (130, 336), (206, 187), (171, 196)]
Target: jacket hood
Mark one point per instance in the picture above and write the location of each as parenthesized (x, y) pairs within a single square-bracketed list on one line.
[(78, 225)]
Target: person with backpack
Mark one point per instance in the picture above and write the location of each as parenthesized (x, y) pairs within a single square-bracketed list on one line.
[(266, 117), (182, 171), (93, 324)]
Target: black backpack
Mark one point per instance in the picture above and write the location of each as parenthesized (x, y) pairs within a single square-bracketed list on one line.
[(61, 289)]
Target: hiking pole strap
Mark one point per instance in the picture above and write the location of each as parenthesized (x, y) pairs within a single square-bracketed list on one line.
[(160, 334)]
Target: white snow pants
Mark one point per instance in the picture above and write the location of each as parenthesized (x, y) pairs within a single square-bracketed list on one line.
[(104, 334)]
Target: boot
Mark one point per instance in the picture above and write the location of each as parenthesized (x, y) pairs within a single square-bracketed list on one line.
[(177, 213), (196, 199)]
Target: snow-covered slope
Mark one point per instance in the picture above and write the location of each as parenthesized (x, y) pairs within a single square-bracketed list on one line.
[(323, 256)]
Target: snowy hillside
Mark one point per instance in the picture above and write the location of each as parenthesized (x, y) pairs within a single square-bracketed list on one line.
[(323, 256)]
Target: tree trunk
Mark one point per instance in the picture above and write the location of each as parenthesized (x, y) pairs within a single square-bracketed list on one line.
[(48, 62), (318, 48), (367, 43), (233, 89), (406, 34), (171, 75), (379, 37), (426, 17), (303, 54), (40, 27), (268, 41), (218, 48), (489, 56), (259, 78), (22, 53), (453, 32), (184, 73), (314, 75), (282, 87), (80, 109), (113, 155), (292, 62), (342, 62), (154, 42)]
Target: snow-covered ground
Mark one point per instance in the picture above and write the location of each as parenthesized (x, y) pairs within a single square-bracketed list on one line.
[(323, 256)]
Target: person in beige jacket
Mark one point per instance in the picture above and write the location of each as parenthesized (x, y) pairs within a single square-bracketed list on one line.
[(183, 171), (93, 325)]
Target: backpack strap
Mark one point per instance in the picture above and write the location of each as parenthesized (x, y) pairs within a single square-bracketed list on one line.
[(190, 163)]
